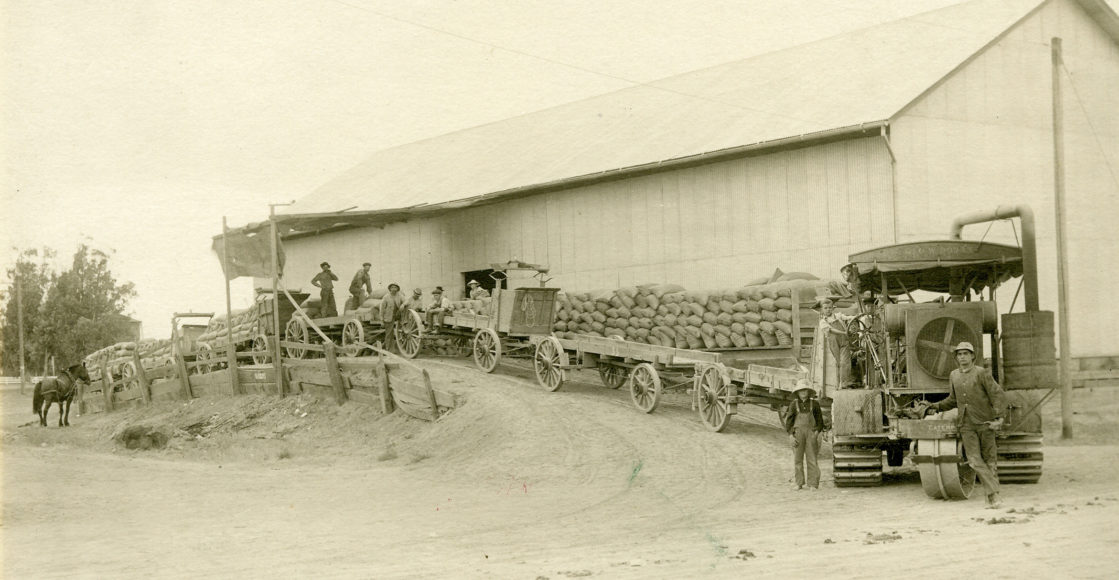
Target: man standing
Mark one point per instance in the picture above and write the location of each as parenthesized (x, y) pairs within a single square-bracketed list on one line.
[(392, 307), (804, 421), (438, 308), (360, 286), (476, 290), (982, 403), (832, 333), (325, 282)]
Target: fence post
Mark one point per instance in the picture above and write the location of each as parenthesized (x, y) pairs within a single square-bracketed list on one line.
[(277, 363), (334, 372), (142, 378), (234, 380), (387, 404), (81, 398), (431, 396), (184, 378), (106, 385)]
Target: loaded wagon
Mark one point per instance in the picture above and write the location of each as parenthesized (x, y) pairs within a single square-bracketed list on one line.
[(251, 329), (747, 345), (356, 330), (508, 324)]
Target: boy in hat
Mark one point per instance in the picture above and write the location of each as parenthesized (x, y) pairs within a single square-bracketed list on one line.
[(804, 421), (438, 308), (476, 290), (324, 281), (981, 403)]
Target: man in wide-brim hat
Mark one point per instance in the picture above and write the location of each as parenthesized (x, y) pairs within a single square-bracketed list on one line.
[(804, 421), (981, 404), (476, 290)]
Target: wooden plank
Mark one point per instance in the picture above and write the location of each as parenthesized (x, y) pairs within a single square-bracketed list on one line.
[(106, 386), (363, 397), (180, 364), (166, 390), (1112, 374), (208, 379), (302, 345), (335, 374), (323, 392), (431, 395), (258, 375)]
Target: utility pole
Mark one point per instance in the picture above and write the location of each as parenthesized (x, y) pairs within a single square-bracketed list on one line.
[(19, 315), (277, 364), (1062, 243)]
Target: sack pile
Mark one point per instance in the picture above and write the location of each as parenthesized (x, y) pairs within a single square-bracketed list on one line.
[(244, 327), (369, 308), (479, 306), (751, 316)]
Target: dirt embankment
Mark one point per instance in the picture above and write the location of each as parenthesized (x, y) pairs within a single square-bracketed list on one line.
[(517, 483)]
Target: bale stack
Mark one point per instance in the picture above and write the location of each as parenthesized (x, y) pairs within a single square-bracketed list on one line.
[(751, 316), (111, 352), (479, 306), (155, 352), (243, 323)]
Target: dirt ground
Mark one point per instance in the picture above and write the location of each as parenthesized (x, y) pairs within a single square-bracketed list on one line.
[(517, 483)]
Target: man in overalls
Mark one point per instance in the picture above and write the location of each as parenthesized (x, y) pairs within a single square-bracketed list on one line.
[(804, 421)]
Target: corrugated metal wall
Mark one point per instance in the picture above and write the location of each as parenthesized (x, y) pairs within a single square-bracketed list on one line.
[(709, 226), (984, 138)]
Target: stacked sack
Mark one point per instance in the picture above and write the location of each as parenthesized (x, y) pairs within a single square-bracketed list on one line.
[(154, 352), (111, 352), (479, 306), (243, 323), (369, 309), (668, 315)]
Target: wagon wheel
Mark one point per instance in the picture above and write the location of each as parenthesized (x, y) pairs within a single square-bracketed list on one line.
[(713, 398), (409, 334), (261, 352), (645, 387), (128, 375), (296, 331), (487, 349), (612, 376), (204, 356), (353, 335), (549, 360)]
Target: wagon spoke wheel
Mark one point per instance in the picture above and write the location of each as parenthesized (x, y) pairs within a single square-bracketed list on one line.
[(612, 376), (645, 387), (548, 362), (487, 349), (204, 357), (409, 334), (713, 395), (128, 374), (353, 335), (261, 354), (296, 331)]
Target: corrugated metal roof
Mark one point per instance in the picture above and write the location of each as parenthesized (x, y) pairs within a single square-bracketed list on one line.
[(859, 77)]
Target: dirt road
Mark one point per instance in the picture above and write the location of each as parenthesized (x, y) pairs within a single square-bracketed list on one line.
[(518, 483)]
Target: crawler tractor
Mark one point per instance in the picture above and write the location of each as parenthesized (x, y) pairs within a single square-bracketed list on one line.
[(917, 301)]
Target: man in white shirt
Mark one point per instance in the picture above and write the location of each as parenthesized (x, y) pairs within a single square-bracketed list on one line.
[(832, 332), (437, 309)]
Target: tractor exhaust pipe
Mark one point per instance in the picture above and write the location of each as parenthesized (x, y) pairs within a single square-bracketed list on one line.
[(1029, 242)]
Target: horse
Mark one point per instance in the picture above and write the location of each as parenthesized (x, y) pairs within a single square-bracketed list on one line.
[(60, 389)]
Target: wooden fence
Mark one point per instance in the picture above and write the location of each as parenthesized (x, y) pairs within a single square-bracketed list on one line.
[(383, 380)]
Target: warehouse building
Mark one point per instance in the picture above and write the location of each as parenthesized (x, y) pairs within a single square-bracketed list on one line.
[(792, 159)]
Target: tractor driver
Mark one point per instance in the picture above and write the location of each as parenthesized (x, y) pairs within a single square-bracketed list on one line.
[(981, 403), (832, 333)]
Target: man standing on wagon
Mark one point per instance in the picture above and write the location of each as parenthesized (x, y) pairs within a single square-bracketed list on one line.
[(360, 286), (324, 281)]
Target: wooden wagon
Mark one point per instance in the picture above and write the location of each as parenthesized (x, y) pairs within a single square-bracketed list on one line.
[(509, 325), (355, 331)]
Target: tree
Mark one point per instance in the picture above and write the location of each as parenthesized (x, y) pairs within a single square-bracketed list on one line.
[(84, 308), (33, 272)]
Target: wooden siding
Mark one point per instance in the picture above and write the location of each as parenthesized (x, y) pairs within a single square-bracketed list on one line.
[(983, 138), (707, 226)]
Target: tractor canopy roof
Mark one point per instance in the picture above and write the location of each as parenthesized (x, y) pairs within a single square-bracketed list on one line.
[(937, 266)]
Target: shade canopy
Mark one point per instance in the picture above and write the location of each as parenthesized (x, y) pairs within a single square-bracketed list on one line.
[(937, 266)]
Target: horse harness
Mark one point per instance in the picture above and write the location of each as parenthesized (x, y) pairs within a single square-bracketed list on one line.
[(55, 385)]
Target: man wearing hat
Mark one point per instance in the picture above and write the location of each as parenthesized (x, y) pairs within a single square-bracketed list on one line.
[(476, 290), (438, 307), (416, 301), (392, 308), (360, 286), (832, 334), (324, 281), (804, 421), (981, 406)]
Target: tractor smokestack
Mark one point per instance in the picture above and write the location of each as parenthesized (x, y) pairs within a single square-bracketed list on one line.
[(1029, 244)]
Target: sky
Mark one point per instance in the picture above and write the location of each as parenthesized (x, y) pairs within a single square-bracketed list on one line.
[(134, 126)]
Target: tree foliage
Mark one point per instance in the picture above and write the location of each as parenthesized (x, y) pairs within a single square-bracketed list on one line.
[(66, 315), (33, 273)]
